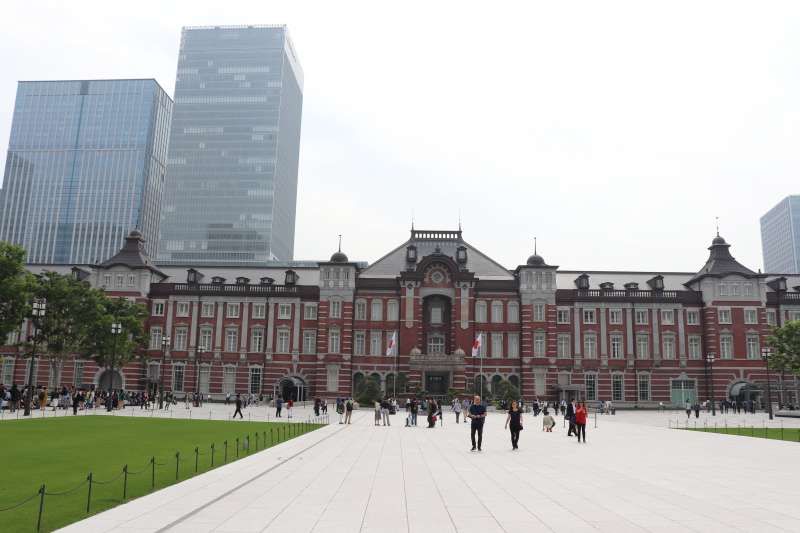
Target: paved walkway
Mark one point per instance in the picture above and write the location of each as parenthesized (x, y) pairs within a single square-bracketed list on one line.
[(635, 474)]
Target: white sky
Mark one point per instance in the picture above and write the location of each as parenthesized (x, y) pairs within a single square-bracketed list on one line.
[(613, 131)]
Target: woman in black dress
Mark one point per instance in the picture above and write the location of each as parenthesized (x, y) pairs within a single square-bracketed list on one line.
[(515, 421)]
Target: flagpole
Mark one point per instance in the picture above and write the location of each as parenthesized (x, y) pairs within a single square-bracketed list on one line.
[(396, 369), (480, 354)]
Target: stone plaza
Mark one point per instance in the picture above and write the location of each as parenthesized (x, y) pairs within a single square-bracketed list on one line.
[(636, 473)]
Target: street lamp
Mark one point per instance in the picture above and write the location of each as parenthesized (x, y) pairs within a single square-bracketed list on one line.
[(116, 329), (165, 344), (38, 312), (198, 356), (766, 353), (710, 360)]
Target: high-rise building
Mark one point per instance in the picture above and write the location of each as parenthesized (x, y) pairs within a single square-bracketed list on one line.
[(231, 189), (85, 166), (780, 237)]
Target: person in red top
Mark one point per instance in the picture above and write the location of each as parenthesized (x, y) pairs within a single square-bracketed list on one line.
[(580, 421)]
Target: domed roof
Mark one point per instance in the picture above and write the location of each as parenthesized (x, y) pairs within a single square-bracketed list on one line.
[(718, 240), (135, 233), (339, 257), (536, 260)]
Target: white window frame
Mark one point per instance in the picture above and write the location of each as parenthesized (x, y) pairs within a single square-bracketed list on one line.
[(335, 308), (513, 345), (750, 315), (615, 316), (232, 310), (642, 346), (156, 334), (539, 344), (640, 379), (590, 346), (771, 317), (176, 385), (158, 309), (334, 340), (229, 379), (512, 313), (692, 317), (284, 311), (207, 310), (231, 339), (724, 315), (538, 312), (376, 310), (375, 339), (668, 347), (562, 316), (480, 311), (753, 346), (309, 341), (309, 311), (617, 377), (563, 346), (591, 390), (360, 343), (255, 379), (617, 346), (283, 340), (668, 317), (589, 316), (726, 346), (497, 312), (205, 338), (360, 310), (640, 317), (257, 340), (259, 311), (695, 344), (497, 345), (392, 310), (182, 309), (181, 339)]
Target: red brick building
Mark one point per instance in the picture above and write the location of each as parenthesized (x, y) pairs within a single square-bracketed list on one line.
[(308, 328)]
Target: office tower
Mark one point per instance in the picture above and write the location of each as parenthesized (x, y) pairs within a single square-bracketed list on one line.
[(780, 237), (231, 187), (85, 165)]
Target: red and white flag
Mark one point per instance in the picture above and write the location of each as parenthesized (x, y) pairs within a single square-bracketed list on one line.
[(392, 344), (476, 345)]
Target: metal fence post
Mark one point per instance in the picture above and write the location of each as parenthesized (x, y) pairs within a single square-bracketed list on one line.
[(237, 447), (153, 472), (177, 464), (226, 452), (125, 483), (196, 458), (41, 508), (89, 497), (256, 440)]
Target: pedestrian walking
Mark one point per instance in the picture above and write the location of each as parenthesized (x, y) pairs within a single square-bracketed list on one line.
[(278, 406), (348, 408), (340, 410), (289, 405), (688, 410), (514, 423), (477, 414), (238, 407), (570, 416), (377, 407), (385, 412), (580, 421), (414, 411), (457, 408)]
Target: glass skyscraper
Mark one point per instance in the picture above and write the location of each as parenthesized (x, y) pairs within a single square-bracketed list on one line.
[(86, 164), (231, 189), (780, 237)]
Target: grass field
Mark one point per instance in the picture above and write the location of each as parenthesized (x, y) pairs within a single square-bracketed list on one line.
[(61, 452), (790, 434)]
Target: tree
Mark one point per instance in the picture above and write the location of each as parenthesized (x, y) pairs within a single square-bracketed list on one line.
[(785, 343), (369, 393), (112, 349), (507, 391), (15, 286)]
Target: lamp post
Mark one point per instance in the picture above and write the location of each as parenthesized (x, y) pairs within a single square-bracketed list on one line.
[(198, 355), (165, 344), (38, 311), (766, 353), (116, 329), (710, 360)]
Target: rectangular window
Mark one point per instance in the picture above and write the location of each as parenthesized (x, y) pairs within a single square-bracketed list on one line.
[(617, 388), (255, 379), (336, 309), (641, 317), (436, 315), (539, 344), (12, 339), (563, 345), (284, 311), (753, 347), (259, 311), (55, 375), (497, 312), (232, 310), (750, 316), (724, 316), (497, 345), (591, 386), (333, 378), (204, 380), (131, 280), (668, 351), (181, 334), (120, 280), (747, 289), (35, 374), (361, 310), (283, 341), (207, 310), (513, 312), (615, 316), (158, 309), (309, 342), (392, 310), (334, 341), (513, 345), (538, 312), (562, 316), (156, 334), (310, 311), (588, 316), (360, 343), (723, 289), (77, 375), (375, 342), (642, 347), (106, 281), (153, 371), (231, 339), (644, 387), (177, 377), (667, 317), (480, 311), (182, 309), (204, 341), (616, 347), (257, 340), (771, 320), (726, 346), (692, 318), (376, 311), (695, 347), (229, 379), (590, 346)]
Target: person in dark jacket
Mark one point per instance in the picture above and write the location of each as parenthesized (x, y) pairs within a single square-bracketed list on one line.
[(514, 423), (238, 407), (570, 416), (477, 414)]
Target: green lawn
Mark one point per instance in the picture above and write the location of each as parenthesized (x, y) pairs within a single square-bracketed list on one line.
[(791, 434), (61, 452)]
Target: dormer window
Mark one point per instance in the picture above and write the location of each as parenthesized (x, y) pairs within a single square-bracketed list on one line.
[(582, 282), (631, 286), (607, 286), (291, 277), (266, 280), (218, 280), (411, 254), (241, 280), (193, 276), (656, 283), (461, 255)]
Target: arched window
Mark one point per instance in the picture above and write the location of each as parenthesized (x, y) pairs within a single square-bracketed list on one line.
[(358, 382), (496, 380), (514, 380)]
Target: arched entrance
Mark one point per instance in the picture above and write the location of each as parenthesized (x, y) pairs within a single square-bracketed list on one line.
[(743, 391), (104, 381), (291, 388)]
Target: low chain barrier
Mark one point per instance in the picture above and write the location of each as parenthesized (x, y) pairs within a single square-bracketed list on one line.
[(243, 446), (764, 432)]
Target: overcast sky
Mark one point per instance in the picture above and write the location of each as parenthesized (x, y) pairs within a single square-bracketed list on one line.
[(614, 132)]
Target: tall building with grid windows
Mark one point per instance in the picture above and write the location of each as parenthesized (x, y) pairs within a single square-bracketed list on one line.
[(231, 187), (780, 236), (85, 166)]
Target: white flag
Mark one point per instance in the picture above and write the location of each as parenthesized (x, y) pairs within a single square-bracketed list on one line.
[(392, 344), (476, 346)]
